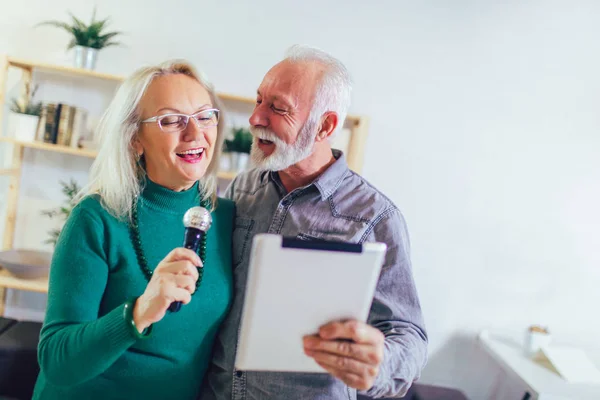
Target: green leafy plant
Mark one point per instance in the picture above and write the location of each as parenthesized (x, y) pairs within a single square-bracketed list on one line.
[(69, 189), (241, 142), (27, 105), (91, 35)]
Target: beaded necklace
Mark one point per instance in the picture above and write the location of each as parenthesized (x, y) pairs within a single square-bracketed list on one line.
[(139, 251)]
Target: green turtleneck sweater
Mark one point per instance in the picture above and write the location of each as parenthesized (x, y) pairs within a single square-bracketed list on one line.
[(87, 350)]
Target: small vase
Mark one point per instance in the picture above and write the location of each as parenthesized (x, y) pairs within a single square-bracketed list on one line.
[(225, 162), (22, 127), (85, 57), (238, 161)]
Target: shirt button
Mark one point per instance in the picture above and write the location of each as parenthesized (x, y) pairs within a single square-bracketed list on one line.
[(239, 374)]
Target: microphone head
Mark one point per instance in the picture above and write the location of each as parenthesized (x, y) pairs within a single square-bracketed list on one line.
[(198, 218)]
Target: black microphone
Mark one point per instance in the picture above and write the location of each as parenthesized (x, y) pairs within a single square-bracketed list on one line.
[(196, 220)]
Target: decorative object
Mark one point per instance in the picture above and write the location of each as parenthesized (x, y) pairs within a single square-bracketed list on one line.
[(24, 118), (536, 338), (26, 264), (239, 149), (87, 39), (69, 189)]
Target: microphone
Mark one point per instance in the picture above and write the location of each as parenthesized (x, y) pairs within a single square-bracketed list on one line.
[(196, 220)]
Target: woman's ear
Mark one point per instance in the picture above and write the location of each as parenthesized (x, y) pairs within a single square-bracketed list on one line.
[(137, 147)]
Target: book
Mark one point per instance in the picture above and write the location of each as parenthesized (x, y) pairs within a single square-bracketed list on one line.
[(52, 112), (78, 130), (65, 124)]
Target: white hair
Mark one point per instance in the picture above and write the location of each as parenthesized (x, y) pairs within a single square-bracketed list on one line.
[(334, 91), (116, 174)]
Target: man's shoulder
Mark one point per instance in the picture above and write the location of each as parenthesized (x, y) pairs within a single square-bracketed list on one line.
[(249, 182), (357, 193)]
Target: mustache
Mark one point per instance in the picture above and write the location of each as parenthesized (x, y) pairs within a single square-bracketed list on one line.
[(265, 134)]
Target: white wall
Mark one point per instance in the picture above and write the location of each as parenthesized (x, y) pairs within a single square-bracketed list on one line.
[(485, 120)]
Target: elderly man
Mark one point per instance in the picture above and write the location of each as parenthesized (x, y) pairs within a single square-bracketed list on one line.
[(301, 187)]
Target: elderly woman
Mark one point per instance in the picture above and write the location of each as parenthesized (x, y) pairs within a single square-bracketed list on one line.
[(119, 263)]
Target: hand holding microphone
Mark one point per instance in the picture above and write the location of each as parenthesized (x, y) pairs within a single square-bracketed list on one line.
[(174, 280)]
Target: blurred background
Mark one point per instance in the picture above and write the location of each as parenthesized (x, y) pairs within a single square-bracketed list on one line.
[(483, 127)]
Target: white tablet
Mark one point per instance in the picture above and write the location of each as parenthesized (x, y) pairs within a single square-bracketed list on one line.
[(294, 287)]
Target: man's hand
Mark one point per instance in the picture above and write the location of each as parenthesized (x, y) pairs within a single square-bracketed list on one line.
[(351, 351)]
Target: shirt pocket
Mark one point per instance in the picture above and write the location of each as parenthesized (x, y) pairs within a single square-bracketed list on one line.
[(242, 234), (306, 236)]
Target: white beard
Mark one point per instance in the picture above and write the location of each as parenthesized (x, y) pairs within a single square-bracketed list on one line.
[(285, 155)]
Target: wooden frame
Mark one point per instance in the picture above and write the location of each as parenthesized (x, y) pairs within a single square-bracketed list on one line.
[(358, 126)]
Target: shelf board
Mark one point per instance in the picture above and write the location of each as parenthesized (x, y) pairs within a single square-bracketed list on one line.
[(52, 147), (66, 70), (61, 69), (226, 175), (7, 280), (9, 171), (76, 152)]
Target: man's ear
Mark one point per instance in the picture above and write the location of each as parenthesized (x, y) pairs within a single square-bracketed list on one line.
[(329, 122)]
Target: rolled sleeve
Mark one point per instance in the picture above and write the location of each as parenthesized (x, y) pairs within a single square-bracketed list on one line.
[(396, 310)]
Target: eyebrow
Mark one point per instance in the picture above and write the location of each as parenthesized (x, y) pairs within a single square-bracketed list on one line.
[(286, 100)]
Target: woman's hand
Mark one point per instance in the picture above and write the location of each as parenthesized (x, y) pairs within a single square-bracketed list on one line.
[(174, 279)]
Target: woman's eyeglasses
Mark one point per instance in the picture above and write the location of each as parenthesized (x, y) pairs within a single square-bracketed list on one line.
[(172, 123)]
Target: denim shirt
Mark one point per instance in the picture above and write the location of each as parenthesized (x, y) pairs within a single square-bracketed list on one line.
[(339, 205)]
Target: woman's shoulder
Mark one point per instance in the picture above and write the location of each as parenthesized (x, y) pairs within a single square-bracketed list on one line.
[(91, 207), (225, 207)]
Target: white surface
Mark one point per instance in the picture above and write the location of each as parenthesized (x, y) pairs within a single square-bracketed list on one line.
[(543, 383), (292, 292), (573, 364), (484, 130)]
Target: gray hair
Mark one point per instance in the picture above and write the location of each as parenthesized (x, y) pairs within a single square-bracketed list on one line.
[(334, 91), (116, 174)]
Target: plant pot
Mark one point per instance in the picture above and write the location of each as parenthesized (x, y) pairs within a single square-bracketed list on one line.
[(85, 57), (22, 126), (239, 161), (225, 161)]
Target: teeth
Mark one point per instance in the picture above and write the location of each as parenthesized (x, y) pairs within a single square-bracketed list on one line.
[(196, 151)]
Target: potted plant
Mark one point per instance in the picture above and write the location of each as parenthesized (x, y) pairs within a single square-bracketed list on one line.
[(87, 39), (239, 148), (70, 190), (24, 117)]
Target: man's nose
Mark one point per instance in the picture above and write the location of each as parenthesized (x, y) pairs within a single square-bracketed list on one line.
[(259, 117)]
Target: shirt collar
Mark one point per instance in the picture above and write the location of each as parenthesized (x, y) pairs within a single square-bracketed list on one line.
[(328, 182), (333, 176)]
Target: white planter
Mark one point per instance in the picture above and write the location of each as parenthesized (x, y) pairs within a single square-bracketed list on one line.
[(85, 57), (239, 161), (225, 162), (536, 341), (22, 127)]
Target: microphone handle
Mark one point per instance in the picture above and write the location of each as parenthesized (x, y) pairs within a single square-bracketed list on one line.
[(192, 239)]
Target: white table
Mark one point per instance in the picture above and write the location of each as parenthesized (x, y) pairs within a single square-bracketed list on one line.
[(538, 380)]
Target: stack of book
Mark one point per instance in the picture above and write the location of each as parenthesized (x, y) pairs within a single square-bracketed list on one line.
[(62, 124)]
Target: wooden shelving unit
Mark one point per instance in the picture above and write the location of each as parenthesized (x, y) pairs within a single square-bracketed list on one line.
[(358, 126), (7, 280)]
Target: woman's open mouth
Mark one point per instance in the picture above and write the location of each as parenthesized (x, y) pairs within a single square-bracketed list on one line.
[(192, 156)]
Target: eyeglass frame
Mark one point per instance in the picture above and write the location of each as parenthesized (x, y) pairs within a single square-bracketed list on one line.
[(188, 116)]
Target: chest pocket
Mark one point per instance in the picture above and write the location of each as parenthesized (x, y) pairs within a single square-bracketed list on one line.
[(242, 233)]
